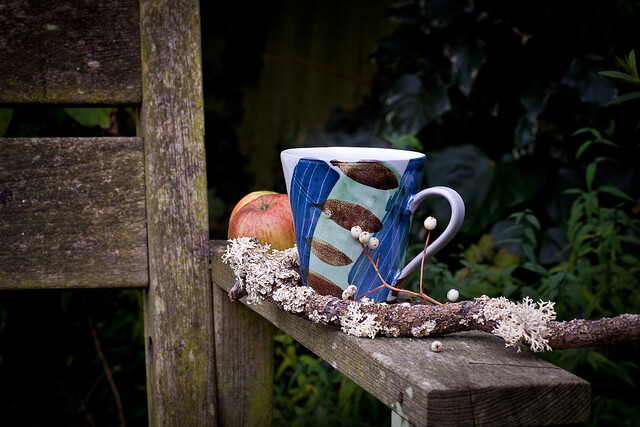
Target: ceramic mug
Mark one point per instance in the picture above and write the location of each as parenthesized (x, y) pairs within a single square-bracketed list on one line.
[(332, 189)]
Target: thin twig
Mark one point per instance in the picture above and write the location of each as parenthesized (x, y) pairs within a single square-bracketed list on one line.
[(386, 285), (105, 366), (424, 255), (83, 409)]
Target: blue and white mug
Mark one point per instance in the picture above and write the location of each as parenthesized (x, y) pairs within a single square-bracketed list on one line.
[(332, 189)]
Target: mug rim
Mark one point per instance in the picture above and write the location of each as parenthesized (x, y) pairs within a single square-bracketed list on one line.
[(352, 154)]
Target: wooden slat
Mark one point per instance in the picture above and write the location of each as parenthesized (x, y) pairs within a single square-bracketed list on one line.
[(72, 213), (70, 52), (475, 380), (244, 363), (178, 304)]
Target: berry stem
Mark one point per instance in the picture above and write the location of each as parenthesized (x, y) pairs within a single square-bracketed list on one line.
[(424, 254), (386, 285)]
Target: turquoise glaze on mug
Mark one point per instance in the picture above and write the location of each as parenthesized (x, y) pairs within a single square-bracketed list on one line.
[(332, 189)]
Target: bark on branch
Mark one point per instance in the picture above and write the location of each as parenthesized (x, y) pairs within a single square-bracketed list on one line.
[(273, 276)]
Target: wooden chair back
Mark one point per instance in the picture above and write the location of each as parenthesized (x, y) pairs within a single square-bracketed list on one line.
[(125, 212)]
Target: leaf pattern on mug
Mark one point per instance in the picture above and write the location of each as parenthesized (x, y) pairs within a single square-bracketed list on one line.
[(347, 214), (328, 253), (371, 173), (322, 285)]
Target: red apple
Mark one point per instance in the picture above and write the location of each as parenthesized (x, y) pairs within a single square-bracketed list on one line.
[(267, 218), (246, 199)]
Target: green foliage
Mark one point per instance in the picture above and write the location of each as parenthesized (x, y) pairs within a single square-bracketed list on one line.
[(631, 76), (488, 188), (5, 119), (309, 393), (598, 276), (31, 121), (494, 92), (90, 117)]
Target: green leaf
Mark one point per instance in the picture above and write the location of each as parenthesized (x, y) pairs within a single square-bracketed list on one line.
[(90, 116), (583, 147), (533, 221), (409, 106), (619, 75), (623, 98), (525, 132), (405, 141), (5, 118), (530, 235), (466, 59), (593, 131), (629, 63), (616, 192), (590, 175), (631, 60)]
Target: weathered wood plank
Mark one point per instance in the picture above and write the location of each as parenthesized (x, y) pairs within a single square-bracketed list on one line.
[(70, 52), (178, 304), (72, 213), (475, 380), (244, 363)]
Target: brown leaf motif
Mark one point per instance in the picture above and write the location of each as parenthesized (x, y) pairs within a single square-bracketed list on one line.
[(328, 253), (322, 285), (370, 173), (347, 214)]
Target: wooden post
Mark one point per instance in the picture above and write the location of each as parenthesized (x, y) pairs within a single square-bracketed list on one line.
[(178, 303)]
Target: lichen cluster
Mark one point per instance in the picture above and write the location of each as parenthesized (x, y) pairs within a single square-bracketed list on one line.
[(520, 323), (356, 322), (261, 271)]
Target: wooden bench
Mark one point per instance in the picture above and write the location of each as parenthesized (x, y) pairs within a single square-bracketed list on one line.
[(475, 380), (132, 213)]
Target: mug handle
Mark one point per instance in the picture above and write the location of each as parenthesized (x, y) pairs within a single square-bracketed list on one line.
[(457, 216)]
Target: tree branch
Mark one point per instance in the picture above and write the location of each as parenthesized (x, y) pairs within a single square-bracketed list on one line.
[(273, 276)]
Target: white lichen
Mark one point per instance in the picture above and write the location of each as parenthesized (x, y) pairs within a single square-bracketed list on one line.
[(357, 323), (391, 331), (423, 330), (258, 269), (292, 298), (522, 323), (316, 317)]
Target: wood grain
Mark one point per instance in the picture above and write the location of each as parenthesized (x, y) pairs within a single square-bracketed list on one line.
[(178, 304), (244, 363), (70, 52), (475, 380), (72, 213)]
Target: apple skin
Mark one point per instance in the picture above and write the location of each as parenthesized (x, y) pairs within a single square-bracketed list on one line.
[(246, 199), (267, 218)]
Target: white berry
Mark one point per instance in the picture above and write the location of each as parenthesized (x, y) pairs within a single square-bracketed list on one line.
[(430, 223), (453, 295), (364, 237), (374, 242), (356, 231), (436, 346), (349, 292)]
